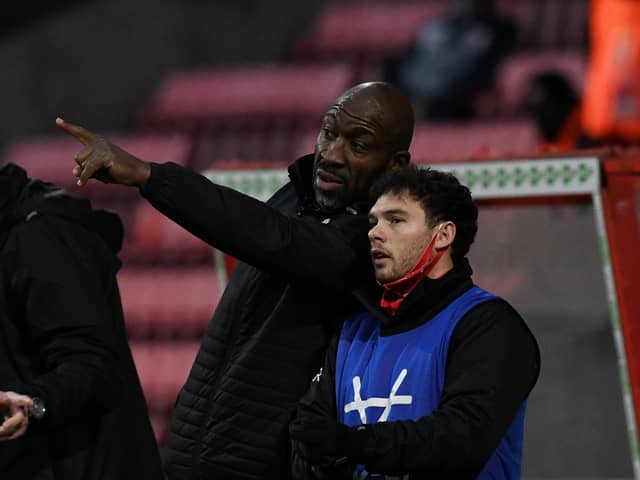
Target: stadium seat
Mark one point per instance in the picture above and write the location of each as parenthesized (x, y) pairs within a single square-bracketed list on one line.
[(250, 146), (516, 71), (52, 159), (252, 96), (306, 142), (168, 302), (377, 29), (365, 30), (456, 142), (547, 24), (155, 239)]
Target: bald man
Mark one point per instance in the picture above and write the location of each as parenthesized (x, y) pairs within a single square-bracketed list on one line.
[(300, 254)]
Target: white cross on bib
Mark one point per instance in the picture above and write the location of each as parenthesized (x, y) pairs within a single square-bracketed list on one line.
[(386, 403)]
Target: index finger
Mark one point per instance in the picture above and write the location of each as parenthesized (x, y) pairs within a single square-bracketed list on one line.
[(82, 135)]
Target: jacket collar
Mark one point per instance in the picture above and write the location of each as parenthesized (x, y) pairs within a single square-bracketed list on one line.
[(426, 300)]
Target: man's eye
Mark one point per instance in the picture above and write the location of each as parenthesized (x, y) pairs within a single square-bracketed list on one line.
[(358, 147), (394, 220)]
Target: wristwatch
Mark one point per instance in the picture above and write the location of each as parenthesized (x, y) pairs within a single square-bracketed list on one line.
[(38, 409)]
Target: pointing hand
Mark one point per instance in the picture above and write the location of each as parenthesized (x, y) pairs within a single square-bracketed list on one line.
[(104, 161)]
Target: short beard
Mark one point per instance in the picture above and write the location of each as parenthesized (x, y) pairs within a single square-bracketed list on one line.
[(326, 202)]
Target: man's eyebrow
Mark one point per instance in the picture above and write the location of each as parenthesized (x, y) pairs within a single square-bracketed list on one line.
[(386, 213), (358, 130), (395, 211)]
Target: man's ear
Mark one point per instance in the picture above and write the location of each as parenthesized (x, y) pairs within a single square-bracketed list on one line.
[(400, 159), (445, 235)]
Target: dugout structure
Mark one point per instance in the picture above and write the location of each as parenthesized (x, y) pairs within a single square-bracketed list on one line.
[(608, 181)]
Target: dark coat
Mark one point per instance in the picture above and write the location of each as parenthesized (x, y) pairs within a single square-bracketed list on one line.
[(62, 338), (272, 325)]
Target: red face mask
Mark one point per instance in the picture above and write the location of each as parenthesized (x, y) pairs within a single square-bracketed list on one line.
[(396, 291)]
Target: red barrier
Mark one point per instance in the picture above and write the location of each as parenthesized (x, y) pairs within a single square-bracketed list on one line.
[(621, 202)]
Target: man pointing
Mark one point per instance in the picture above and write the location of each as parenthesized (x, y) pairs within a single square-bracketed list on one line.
[(300, 253)]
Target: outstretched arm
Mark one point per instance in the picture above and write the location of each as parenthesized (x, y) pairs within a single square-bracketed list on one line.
[(297, 248)]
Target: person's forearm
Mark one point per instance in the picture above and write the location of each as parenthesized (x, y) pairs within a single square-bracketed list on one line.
[(444, 443), (248, 229), (76, 382)]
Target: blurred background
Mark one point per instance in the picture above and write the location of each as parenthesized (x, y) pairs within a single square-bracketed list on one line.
[(236, 84)]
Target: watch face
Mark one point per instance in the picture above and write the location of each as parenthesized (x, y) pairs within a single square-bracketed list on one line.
[(38, 409)]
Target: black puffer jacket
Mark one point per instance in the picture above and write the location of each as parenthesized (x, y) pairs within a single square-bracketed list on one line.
[(62, 338), (271, 327)]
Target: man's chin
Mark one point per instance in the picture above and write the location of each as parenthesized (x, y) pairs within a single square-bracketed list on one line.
[(329, 200), (383, 277)]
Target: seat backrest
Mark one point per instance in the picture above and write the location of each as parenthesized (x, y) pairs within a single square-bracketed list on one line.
[(455, 143), (251, 96)]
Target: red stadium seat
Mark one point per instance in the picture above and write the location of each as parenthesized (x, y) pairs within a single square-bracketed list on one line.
[(516, 71), (156, 239), (547, 24), (455, 143), (163, 368), (169, 302), (259, 96), (51, 159), (575, 28), (376, 29), (306, 142), (365, 30), (250, 146)]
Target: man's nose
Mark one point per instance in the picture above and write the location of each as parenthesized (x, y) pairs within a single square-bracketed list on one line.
[(335, 153), (375, 233)]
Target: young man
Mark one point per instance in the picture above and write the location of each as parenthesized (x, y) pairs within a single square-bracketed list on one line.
[(431, 379), (272, 325), (79, 412)]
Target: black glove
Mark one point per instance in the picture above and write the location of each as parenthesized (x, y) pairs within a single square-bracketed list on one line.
[(321, 437), (324, 441)]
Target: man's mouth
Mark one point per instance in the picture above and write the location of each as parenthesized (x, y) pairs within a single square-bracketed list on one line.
[(328, 181), (379, 256)]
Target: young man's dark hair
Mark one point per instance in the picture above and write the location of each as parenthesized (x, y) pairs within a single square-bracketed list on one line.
[(431, 378), (442, 197)]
